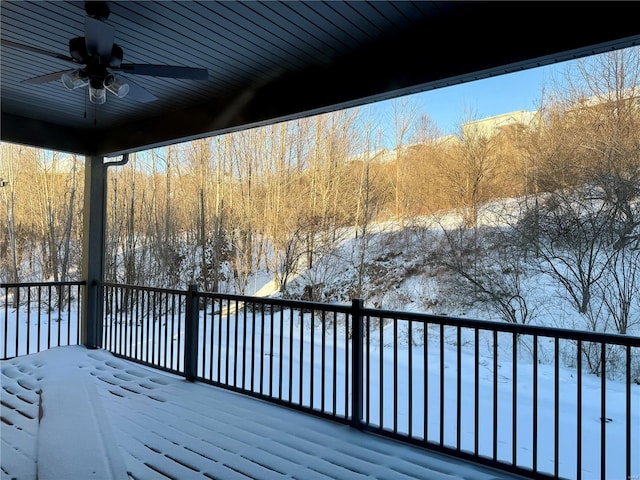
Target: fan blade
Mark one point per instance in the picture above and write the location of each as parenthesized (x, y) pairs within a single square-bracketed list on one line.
[(98, 37), (138, 93), (170, 71), (49, 77), (9, 43)]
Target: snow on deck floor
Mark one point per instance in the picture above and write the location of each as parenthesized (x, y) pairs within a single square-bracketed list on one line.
[(76, 414)]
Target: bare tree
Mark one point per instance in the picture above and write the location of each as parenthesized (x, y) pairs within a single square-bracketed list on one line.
[(620, 289), (8, 177), (404, 117), (498, 280), (69, 220), (471, 170)]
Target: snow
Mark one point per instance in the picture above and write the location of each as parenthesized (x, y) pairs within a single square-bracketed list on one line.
[(90, 414), (103, 417)]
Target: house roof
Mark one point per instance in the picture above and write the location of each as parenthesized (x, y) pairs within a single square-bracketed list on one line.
[(269, 61)]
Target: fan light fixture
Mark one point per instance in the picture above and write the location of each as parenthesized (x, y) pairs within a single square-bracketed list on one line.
[(97, 95), (74, 79), (97, 89), (115, 87)]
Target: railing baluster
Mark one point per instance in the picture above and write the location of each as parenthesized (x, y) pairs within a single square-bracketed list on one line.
[(253, 346), (290, 396), (534, 428), (154, 327), (368, 369), (261, 389), (218, 323), (395, 375), (312, 350), (29, 319), (410, 378), (556, 407), (78, 310), (173, 330), (48, 314), (180, 349), (514, 401), (301, 358), (381, 377), (442, 384), (348, 370), (235, 344), (208, 353), (280, 352), (38, 329), (323, 365), (579, 412), (118, 345), (244, 345), (603, 411), (476, 390), (138, 325), (59, 301), (426, 381), (6, 323), (228, 322), (18, 323), (133, 323), (356, 363), (335, 365), (628, 401), (271, 340), (458, 386), (166, 327), (108, 295), (495, 395)]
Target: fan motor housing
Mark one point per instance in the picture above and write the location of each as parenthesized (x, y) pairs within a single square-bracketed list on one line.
[(115, 60), (78, 50)]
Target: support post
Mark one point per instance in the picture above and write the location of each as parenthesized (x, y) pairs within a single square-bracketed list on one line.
[(93, 251), (356, 362), (191, 334)]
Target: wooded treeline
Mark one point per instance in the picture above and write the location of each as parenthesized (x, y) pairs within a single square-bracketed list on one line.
[(277, 198), (259, 198)]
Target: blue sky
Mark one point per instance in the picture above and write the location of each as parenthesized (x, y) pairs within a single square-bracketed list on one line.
[(449, 106)]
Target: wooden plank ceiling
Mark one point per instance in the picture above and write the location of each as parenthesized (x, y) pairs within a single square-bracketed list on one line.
[(275, 60)]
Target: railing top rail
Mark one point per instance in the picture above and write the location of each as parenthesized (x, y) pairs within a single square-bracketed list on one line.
[(146, 289), (42, 284), (298, 304), (517, 328)]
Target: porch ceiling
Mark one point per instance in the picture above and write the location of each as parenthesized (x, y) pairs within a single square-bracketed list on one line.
[(269, 61)]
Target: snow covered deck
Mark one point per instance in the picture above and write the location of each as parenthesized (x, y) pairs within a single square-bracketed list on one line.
[(77, 414)]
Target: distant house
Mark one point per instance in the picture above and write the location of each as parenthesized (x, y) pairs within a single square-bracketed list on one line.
[(492, 125)]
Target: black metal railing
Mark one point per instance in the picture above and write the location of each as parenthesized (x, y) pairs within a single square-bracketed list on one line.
[(146, 324), (38, 316), (530, 400), (535, 401), (517, 397), (298, 354)]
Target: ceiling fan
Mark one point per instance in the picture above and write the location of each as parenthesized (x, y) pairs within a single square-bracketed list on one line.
[(100, 57)]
